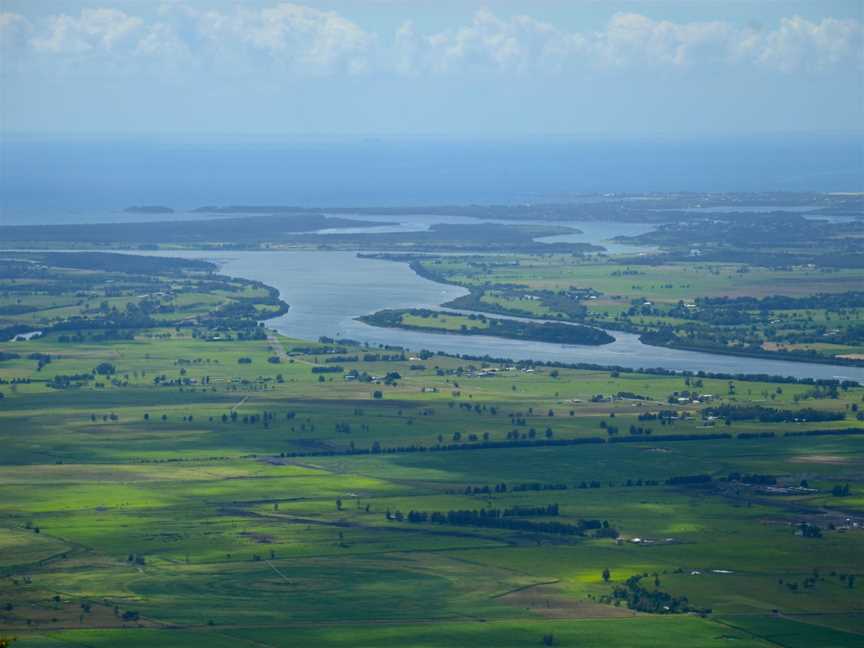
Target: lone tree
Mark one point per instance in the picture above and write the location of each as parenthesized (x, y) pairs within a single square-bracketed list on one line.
[(606, 575), (106, 369)]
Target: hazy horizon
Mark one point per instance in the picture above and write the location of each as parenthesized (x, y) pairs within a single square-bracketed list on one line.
[(186, 172)]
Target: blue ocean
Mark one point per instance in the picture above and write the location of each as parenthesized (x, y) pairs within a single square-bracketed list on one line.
[(73, 179)]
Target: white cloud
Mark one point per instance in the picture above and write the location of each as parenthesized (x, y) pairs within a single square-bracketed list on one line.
[(162, 51), (800, 44), (300, 39), (518, 45), (99, 30), (632, 39), (294, 39), (525, 45), (322, 40)]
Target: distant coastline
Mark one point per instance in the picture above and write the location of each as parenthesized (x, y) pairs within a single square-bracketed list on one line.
[(148, 209)]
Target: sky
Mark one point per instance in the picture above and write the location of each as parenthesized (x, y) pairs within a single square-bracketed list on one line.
[(432, 67)]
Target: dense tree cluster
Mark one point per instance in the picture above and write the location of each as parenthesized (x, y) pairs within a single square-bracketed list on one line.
[(507, 519), (653, 601), (770, 414)]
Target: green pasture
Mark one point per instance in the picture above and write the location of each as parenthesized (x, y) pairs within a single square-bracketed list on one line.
[(211, 490)]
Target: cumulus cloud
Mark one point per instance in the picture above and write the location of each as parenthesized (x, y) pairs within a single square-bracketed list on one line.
[(300, 40), (801, 44), (519, 45), (632, 39), (313, 39), (92, 30), (525, 45)]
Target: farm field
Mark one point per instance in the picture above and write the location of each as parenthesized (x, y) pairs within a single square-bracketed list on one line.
[(800, 312), (441, 324), (207, 481)]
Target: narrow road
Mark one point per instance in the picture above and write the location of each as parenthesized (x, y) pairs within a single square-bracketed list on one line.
[(276, 346), (239, 403)]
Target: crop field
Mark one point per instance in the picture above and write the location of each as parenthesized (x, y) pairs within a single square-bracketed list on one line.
[(796, 311), (199, 527), (196, 484), (669, 282), (431, 324)]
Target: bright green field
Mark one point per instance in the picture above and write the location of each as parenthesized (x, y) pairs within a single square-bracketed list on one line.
[(643, 298), (193, 499)]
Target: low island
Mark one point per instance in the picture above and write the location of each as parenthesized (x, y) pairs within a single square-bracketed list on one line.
[(149, 209), (432, 321)]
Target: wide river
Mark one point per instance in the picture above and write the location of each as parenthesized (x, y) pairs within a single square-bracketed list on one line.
[(328, 290)]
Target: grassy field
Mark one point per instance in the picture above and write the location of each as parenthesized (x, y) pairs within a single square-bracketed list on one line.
[(445, 322), (219, 489), (651, 298), (669, 282)]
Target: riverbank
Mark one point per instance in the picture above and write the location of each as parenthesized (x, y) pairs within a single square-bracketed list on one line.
[(580, 315), (445, 322), (329, 290), (472, 303)]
